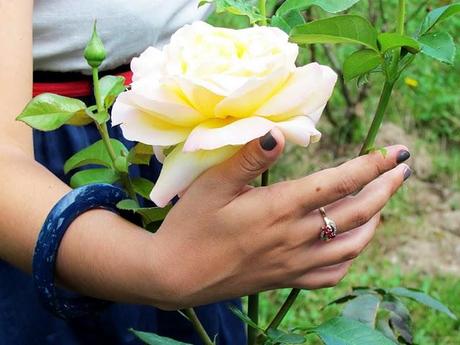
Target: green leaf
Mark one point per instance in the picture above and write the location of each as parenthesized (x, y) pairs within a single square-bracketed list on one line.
[(94, 154), (401, 328), (80, 118), (141, 154), (384, 152), (48, 112), (154, 339), (389, 41), (331, 6), (280, 23), (111, 86), (343, 331), (288, 21), (361, 62), (438, 15), (383, 325), (363, 309), (243, 317), (439, 46), (395, 305), (149, 214), (143, 187), (90, 176), (237, 7), (394, 319), (422, 298), (340, 29), (280, 337), (100, 118), (121, 164), (342, 300)]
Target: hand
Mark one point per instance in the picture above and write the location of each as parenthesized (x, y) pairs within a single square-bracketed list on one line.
[(226, 239)]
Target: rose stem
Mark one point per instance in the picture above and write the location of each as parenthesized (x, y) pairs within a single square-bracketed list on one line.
[(263, 12), (193, 318), (390, 81), (102, 128), (368, 143), (284, 309)]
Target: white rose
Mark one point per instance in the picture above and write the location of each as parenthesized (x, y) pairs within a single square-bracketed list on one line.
[(212, 90)]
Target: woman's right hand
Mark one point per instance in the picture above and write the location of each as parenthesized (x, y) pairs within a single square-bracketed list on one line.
[(225, 239)]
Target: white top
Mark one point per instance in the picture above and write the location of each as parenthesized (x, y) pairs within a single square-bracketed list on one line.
[(127, 27)]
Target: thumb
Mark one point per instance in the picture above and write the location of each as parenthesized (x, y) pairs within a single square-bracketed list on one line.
[(249, 163)]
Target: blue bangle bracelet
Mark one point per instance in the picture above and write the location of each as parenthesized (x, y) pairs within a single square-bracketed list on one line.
[(78, 201)]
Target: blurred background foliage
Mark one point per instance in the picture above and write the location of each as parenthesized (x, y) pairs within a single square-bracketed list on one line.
[(418, 244)]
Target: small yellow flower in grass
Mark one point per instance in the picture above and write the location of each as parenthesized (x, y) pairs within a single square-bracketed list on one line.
[(212, 90), (412, 83)]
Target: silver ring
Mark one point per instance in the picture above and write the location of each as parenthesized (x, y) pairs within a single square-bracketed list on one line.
[(329, 230)]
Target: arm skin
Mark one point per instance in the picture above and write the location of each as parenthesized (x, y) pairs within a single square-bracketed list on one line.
[(223, 239), (91, 258)]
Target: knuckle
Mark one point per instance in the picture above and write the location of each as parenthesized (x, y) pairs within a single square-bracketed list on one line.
[(376, 161), (250, 163), (361, 217), (353, 252), (280, 205), (346, 185)]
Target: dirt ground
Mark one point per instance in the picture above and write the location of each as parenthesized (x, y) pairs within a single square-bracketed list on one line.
[(431, 240)]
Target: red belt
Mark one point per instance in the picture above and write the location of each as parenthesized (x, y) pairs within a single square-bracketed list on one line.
[(77, 88)]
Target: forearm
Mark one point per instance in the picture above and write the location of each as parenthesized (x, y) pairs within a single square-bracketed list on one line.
[(101, 254), (15, 70)]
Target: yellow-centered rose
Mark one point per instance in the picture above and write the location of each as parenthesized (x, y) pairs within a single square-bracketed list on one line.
[(212, 90)]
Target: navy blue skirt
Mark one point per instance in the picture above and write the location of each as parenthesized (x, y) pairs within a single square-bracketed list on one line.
[(24, 322)]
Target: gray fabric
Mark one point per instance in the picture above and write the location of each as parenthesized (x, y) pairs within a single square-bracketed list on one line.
[(127, 27)]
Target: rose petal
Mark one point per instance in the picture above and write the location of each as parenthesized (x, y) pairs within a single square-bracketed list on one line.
[(217, 133), (202, 99), (165, 104), (255, 92), (300, 130), (180, 169), (149, 64), (140, 126), (307, 90), (159, 153)]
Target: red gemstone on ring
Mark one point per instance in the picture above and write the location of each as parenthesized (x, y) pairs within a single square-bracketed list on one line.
[(328, 233)]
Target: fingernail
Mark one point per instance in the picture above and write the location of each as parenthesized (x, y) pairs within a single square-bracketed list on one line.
[(403, 156), (407, 174), (267, 142)]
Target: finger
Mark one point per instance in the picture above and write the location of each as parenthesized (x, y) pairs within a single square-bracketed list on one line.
[(353, 212), (344, 247), (325, 187), (250, 162), (323, 277)]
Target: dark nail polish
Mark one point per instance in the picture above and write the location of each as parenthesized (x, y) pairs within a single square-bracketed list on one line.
[(407, 174), (267, 142), (403, 156)]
